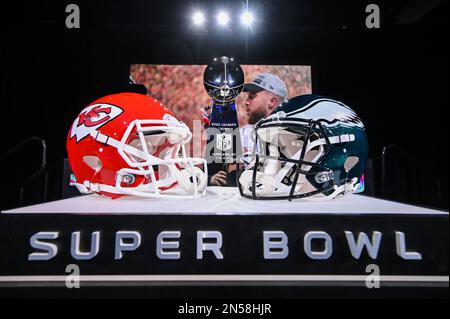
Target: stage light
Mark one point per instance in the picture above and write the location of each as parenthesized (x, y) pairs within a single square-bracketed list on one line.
[(247, 18), (223, 18), (198, 18)]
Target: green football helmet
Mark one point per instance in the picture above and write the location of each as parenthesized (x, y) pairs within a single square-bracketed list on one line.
[(310, 146)]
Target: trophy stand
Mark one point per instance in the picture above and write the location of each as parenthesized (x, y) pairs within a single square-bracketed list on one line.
[(223, 81)]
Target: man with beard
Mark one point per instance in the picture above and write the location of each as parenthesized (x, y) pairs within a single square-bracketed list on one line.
[(264, 94)]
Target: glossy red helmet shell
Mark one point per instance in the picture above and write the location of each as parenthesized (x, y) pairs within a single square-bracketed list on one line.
[(131, 144)]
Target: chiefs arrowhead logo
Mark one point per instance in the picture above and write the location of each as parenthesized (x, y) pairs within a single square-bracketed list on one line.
[(92, 118)]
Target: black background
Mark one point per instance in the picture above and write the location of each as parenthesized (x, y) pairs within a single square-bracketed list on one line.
[(396, 77)]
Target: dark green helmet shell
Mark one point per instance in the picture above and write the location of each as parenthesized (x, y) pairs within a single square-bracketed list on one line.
[(340, 132), (337, 119)]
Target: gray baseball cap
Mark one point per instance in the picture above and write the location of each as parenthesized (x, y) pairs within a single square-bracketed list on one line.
[(268, 82)]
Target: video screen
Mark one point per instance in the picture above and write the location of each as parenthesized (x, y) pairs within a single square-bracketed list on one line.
[(180, 88)]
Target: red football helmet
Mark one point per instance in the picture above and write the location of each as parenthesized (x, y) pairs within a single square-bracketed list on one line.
[(131, 144)]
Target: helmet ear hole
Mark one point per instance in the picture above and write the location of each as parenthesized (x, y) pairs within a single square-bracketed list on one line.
[(93, 162), (350, 162)]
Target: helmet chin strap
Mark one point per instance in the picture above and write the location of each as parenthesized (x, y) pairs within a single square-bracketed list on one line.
[(264, 180), (344, 190), (289, 165), (148, 190), (191, 179), (264, 183), (183, 177), (269, 181)]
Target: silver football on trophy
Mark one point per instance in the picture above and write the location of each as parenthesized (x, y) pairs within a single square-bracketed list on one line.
[(223, 79)]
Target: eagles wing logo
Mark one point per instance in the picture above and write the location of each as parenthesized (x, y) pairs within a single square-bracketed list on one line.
[(92, 118), (331, 112)]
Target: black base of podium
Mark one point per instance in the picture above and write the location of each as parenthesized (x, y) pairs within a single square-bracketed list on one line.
[(240, 268)]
